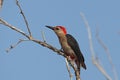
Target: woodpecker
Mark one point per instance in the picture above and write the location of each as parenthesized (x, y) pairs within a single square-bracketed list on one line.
[(69, 45)]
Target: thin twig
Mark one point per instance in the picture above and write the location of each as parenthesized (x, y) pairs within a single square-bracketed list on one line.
[(26, 22), (13, 46), (68, 68), (95, 62), (108, 55)]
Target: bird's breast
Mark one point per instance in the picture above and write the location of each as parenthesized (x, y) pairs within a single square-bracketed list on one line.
[(66, 48)]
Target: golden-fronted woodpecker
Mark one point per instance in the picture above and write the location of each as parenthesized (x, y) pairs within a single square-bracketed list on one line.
[(69, 46)]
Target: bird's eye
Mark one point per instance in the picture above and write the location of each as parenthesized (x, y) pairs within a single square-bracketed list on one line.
[(57, 28)]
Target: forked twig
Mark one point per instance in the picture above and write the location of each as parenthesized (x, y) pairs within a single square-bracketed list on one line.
[(26, 22), (13, 46)]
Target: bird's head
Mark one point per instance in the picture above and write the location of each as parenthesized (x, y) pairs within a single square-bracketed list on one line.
[(59, 30)]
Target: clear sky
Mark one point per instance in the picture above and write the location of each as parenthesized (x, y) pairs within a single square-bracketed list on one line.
[(30, 61)]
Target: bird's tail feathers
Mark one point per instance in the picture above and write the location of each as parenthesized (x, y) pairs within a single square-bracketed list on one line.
[(84, 66)]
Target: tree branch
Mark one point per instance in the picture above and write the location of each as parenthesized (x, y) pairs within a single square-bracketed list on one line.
[(95, 61)]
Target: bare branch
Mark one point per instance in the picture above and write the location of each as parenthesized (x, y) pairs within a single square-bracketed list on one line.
[(26, 22), (108, 55), (95, 62)]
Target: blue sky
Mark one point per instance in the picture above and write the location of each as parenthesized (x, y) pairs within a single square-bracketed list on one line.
[(30, 61)]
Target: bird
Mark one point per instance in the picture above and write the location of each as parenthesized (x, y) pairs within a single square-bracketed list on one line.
[(69, 46)]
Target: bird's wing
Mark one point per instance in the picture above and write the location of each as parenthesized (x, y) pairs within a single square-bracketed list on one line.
[(74, 45)]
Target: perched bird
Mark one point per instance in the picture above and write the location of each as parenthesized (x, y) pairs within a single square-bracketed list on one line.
[(69, 45)]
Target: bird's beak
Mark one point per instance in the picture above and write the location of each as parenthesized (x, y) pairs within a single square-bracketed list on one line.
[(50, 27)]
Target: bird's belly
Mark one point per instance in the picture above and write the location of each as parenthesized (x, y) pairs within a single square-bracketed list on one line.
[(69, 52)]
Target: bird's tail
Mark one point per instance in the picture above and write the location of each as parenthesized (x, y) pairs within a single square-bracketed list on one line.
[(83, 65), (80, 64)]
